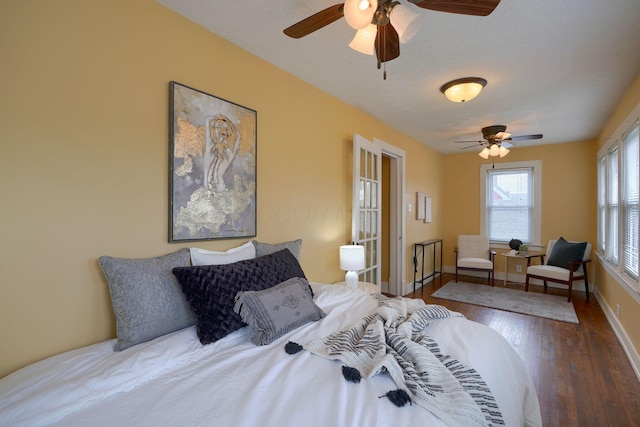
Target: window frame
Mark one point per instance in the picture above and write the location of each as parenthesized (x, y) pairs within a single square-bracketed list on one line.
[(536, 167), (616, 145), (628, 205)]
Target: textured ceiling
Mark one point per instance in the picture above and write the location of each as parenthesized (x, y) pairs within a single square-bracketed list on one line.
[(556, 67)]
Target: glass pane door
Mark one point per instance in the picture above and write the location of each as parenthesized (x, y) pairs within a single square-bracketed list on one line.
[(366, 224)]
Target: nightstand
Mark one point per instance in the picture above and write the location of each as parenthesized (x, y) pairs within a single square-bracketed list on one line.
[(365, 286)]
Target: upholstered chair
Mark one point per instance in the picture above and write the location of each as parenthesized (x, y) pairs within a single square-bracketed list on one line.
[(564, 263), (473, 253)]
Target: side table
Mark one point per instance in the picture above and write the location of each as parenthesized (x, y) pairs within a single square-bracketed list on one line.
[(420, 247), (365, 286), (507, 256)]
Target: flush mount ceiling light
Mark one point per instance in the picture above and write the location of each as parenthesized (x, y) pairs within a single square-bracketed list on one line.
[(464, 89)]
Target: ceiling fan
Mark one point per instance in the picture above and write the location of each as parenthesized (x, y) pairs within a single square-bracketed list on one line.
[(497, 141), (383, 24)]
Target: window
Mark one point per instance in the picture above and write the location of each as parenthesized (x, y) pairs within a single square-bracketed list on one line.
[(511, 201), (618, 205), (629, 200), (611, 238), (602, 205)]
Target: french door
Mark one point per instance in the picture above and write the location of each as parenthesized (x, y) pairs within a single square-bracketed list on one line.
[(366, 224)]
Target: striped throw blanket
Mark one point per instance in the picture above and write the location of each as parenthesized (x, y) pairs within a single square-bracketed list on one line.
[(392, 339)]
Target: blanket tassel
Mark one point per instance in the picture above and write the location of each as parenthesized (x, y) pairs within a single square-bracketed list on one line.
[(351, 374), (292, 347), (398, 397)]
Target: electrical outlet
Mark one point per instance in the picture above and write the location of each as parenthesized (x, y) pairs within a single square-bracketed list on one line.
[(519, 268), (618, 310)]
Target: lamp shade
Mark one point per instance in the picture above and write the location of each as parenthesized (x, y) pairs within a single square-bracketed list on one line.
[(484, 153), (462, 90), (351, 257), (503, 151), (405, 21), (365, 39), (359, 13)]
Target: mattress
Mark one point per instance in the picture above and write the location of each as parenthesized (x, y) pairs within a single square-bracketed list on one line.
[(175, 380)]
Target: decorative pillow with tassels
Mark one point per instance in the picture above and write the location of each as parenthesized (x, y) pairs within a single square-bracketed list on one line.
[(273, 312), (211, 289)]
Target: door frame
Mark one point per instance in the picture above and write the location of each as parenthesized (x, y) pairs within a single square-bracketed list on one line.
[(397, 222)]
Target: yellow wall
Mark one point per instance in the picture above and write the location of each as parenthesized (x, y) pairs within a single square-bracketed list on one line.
[(83, 131), (568, 193), (613, 293), (84, 125)]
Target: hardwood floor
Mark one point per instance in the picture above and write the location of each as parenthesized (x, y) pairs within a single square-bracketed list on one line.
[(582, 375)]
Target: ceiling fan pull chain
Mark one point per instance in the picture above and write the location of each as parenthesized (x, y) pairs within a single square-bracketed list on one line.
[(384, 54)]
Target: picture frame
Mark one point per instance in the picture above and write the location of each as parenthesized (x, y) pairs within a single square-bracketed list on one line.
[(212, 159), (420, 205)]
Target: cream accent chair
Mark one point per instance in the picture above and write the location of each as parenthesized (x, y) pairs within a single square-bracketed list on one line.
[(552, 273), (473, 253)]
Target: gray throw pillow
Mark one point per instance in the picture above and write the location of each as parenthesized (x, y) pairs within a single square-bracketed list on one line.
[(273, 312), (211, 289), (294, 247), (146, 297), (564, 252)]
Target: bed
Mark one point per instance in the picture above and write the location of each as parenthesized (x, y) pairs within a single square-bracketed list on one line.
[(173, 379)]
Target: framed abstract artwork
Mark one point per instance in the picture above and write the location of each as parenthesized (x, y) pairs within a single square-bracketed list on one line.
[(212, 156)]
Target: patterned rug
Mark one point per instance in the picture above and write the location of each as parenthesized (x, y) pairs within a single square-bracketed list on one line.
[(532, 303)]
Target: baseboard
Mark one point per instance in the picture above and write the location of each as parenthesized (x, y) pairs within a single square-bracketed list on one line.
[(620, 333), (384, 287)]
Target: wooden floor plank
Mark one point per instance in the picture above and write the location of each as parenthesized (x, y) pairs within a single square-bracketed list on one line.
[(581, 373)]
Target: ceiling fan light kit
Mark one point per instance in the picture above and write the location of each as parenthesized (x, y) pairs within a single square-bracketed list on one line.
[(494, 151), (497, 141), (359, 13), (395, 23), (464, 89), (365, 39), (406, 22)]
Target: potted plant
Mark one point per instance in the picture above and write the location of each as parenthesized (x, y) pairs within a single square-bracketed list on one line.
[(523, 250)]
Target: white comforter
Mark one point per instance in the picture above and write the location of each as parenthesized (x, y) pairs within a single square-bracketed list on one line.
[(174, 380)]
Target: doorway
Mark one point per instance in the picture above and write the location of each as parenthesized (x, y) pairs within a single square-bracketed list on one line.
[(393, 220)]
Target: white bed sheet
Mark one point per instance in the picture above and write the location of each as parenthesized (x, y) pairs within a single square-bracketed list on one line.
[(174, 380)]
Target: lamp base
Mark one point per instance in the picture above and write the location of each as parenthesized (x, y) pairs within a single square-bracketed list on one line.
[(351, 279)]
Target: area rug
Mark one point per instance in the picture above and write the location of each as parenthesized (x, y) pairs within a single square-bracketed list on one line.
[(532, 303)]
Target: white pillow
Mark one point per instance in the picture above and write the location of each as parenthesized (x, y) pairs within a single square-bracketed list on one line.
[(205, 257)]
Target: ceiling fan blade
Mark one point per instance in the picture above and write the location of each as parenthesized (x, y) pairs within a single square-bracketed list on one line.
[(464, 7), (471, 146), (468, 142), (315, 21), (524, 137), (506, 144), (387, 43)]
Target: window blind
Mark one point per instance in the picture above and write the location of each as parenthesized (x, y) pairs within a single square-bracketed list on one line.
[(602, 204), (630, 207), (611, 238)]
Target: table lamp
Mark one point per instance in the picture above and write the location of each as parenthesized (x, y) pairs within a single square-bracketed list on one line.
[(351, 260)]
